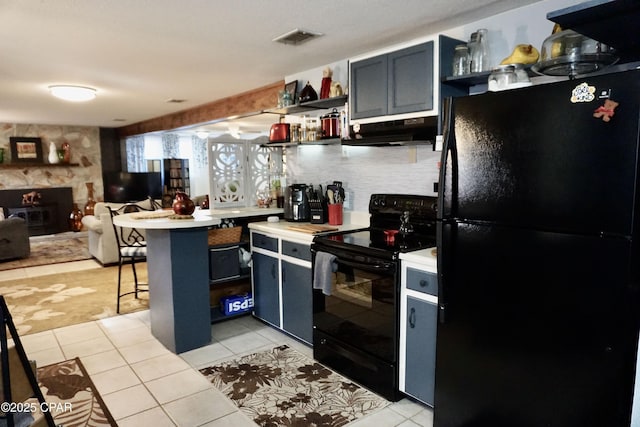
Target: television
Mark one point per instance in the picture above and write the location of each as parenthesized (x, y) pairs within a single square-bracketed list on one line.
[(123, 187)]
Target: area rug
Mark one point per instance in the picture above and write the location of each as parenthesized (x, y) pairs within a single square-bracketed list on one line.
[(281, 387), (72, 396), (53, 249), (47, 302)]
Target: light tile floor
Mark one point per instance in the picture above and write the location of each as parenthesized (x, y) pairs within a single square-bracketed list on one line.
[(144, 384)]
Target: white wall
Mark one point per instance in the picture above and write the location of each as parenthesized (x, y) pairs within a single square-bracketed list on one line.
[(365, 170), (368, 170), (340, 71)]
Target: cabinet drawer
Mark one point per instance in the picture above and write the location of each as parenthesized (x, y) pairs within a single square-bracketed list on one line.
[(296, 250), (422, 281), (265, 242)]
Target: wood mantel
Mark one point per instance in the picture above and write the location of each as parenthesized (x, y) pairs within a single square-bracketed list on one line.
[(245, 103)]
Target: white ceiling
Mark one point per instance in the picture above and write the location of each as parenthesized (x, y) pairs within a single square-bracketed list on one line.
[(140, 53)]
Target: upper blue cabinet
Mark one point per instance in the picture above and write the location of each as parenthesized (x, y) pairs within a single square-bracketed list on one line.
[(400, 84), (393, 83)]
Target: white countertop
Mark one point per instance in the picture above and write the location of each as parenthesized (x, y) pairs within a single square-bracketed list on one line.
[(164, 223), (202, 218), (281, 228), (239, 212), (426, 257)]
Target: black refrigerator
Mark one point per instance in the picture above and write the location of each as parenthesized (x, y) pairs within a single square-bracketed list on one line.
[(538, 256)]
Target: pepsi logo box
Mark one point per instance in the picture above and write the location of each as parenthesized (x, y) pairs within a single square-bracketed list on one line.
[(235, 304)]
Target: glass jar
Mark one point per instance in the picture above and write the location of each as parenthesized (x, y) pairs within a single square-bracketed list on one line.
[(502, 77), (521, 74), (461, 60), (295, 132)]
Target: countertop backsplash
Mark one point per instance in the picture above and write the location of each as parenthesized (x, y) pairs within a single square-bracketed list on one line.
[(365, 170)]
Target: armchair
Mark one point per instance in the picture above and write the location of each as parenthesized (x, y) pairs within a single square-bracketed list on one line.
[(14, 239), (102, 241)]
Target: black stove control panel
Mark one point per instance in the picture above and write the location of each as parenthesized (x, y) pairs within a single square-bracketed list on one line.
[(421, 206)]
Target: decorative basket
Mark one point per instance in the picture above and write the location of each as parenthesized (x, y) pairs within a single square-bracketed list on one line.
[(220, 236)]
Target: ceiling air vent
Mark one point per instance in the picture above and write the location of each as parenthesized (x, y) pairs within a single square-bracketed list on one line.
[(296, 36)]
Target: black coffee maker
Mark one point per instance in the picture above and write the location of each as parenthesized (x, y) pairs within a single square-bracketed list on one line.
[(296, 203)]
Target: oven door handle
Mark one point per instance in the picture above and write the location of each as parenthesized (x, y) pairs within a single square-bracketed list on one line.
[(365, 266)]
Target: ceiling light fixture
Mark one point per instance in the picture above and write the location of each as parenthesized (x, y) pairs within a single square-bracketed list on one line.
[(73, 93), (202, 134)]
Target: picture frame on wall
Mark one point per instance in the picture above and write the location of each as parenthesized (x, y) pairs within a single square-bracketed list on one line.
[(25, 149)]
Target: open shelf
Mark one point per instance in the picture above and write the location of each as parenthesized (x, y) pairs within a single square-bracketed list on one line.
[(473, 79), (326, 141), (320, 104)]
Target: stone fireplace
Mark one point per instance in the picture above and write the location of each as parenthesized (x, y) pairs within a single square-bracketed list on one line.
[(60, 184)]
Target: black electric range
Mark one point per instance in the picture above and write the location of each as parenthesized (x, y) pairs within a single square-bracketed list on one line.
[(356, 315), (384, 237)]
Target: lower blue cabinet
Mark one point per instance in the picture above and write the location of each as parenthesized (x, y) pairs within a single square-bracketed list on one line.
[(297, 305), (266, 292), (421, 324)]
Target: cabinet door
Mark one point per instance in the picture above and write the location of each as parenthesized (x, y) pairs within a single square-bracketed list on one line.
[(297, 305), (421, 349), (368, 96), (266, 292), (410, 85)]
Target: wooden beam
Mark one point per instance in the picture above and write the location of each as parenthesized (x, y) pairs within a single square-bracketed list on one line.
[(245, 103)]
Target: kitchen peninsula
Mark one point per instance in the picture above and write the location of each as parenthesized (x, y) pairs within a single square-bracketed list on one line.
[(178, 266)]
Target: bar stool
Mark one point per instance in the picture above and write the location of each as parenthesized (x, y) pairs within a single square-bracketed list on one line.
[(132, 248)]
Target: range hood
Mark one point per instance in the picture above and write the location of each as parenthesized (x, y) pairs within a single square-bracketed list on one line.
[(421, 130)]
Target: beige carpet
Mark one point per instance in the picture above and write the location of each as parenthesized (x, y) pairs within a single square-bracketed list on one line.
[(281, 387), (53, 249), (47, 302), (72, 396)]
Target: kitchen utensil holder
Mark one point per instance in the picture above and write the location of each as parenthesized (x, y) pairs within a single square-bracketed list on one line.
[(335, 213)]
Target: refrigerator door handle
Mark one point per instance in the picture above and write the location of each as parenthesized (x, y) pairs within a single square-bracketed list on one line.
[(444, 231), (448, 165)]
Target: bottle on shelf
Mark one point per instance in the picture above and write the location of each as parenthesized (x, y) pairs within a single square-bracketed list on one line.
[(479, 52)]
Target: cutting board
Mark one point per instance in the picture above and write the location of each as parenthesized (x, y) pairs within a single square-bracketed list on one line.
[(312, 228)]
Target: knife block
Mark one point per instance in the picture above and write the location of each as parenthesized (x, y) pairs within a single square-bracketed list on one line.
[(318, 211)]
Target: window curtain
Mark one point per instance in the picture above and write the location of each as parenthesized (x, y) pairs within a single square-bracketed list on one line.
[(170, 146), (135, 154), (199, 151)]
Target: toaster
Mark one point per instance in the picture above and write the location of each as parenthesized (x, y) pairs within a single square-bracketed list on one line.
[(280, 132)]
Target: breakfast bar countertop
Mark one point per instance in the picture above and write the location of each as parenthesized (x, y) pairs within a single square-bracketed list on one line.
[(159, 220)]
